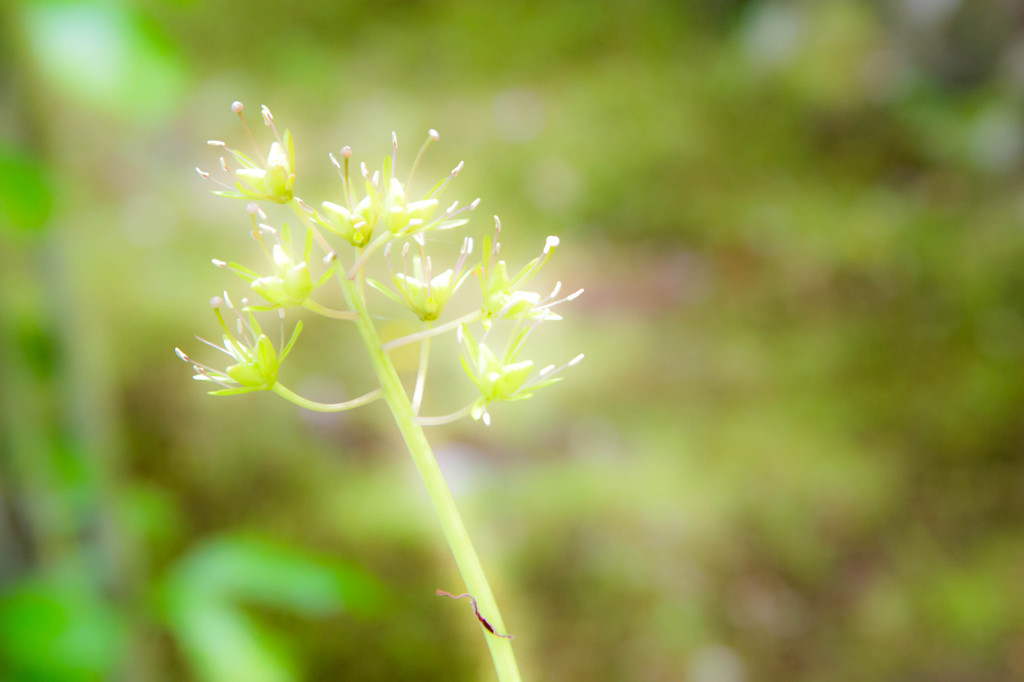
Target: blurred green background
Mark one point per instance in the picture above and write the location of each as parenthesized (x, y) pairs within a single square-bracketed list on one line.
[(793, 451)]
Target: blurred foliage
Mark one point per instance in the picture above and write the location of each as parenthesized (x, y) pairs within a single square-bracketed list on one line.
[(794, 450)]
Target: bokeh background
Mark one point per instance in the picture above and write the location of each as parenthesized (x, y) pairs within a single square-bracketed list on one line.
[(794, 449)]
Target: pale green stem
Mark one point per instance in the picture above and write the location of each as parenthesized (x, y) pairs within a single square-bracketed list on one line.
[(421, 371), (297, 399), (444, 505), (369, 251), (310, 304), (446, 418), (433, 331)]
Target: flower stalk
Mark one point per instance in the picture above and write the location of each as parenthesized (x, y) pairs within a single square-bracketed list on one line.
[(386, 215)]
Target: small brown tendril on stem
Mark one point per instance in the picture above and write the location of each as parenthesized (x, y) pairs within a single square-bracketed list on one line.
[(472, 601)]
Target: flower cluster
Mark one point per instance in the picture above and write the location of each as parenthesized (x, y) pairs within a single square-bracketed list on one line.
[(255, 359), (376, 213)]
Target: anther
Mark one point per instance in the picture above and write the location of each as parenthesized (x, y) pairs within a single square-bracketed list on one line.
[(268, 118), (497, 224), (330, 257), (451, 209), (203, 174), (457, 169), (364, 170), (574, 295), (575, 361), (218, 263), (375, 180), (554, 292), (180, 354), (476, 202), (334, 161), (216, 143)]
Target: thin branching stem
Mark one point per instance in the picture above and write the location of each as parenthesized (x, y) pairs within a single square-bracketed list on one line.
[(433, 331), (297, 399), (421, 371)]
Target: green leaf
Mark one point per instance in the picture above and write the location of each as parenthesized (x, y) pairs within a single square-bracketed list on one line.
[(25, 193), (58, 629), (104, 56), (205, 594)]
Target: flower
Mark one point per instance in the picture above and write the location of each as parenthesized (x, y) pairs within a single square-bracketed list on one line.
[(422, 292), (503, 296), (271, 180), (503, 378), (290, 284), (256, 362)]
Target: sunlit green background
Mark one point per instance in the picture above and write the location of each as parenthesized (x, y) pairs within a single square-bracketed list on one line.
[(792, 453)]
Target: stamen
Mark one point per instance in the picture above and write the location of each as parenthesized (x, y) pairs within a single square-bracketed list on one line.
[(237, 108), (269, 120), (214, 346), (394, 153)]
